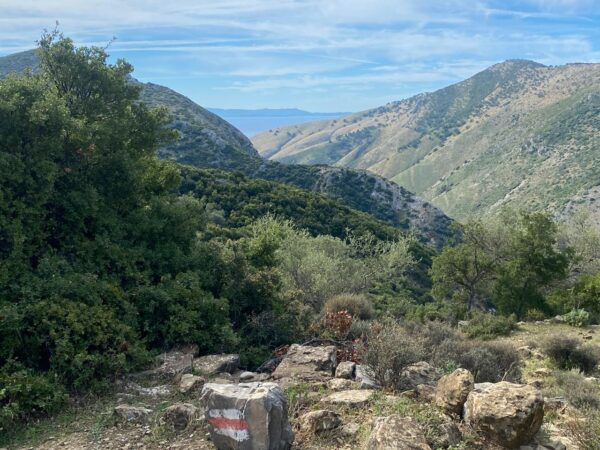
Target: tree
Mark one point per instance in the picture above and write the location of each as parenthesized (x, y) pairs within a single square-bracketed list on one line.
[(465, 272), (531, 262)]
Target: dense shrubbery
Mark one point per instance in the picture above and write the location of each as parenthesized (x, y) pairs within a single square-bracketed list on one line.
[(569, 353), (488, 326), (392, 346), (358, 306)]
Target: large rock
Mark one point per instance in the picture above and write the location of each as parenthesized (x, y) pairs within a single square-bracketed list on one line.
[(509, 414), (307, 363), (346, 370), (172, 363), (418, 373), (180, 415), (321, 420), (247, 416), (216, 364), (355, 398), (397, 433), (452, 390)]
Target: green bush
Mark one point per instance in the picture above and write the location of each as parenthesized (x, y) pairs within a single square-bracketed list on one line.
[(577, 318), (358, 306), (569, 353), (25, 395), (489, 326)]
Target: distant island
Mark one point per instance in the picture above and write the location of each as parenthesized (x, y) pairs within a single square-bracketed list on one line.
[(254, 121)]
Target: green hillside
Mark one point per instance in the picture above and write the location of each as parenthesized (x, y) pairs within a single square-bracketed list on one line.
[(519, 134)]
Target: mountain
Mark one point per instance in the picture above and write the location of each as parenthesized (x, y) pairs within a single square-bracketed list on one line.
[(207, 141), (254, 121), (519, 133)]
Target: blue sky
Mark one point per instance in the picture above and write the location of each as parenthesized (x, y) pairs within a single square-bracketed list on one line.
[(319, 55)]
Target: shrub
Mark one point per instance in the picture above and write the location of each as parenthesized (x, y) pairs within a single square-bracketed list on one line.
[(390, 349), (577, 318), (487, 361), (585, 431), (358, 306), (488, 326), (577, 390), (535, 314), (24, 394), (569, 353)]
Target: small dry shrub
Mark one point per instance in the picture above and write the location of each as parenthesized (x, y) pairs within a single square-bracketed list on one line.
[(358, 306), (570, 353), (585, 431), (390, 349), (577, 390)]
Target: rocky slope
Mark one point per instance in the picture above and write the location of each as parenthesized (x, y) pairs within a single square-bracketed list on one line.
[(518, 133), (208, 141)]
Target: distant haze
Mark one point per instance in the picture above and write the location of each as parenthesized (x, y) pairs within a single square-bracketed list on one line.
[(254, 121)]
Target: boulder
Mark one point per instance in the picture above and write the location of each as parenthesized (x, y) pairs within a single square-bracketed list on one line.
[(425, 392), (172, 363), (418, 373), (350, 429), (363, 377), (355, 398), (321, 420), (247, 416), (217, 364), (246, 376), (452, 390), (508, 414), (130, 413), (190, 383), (180, 415), (307, 363), (346, 370), (397, 433)]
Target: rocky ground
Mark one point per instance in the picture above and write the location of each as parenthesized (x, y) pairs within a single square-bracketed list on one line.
[(330, 406)]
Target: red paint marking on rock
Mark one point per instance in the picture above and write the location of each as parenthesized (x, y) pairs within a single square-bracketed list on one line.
[(222, 422)]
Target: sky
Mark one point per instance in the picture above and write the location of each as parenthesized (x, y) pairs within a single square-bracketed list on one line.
[(318, 55)]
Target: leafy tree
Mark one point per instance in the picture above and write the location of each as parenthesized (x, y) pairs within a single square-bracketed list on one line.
[(531, 262), (464, 272)]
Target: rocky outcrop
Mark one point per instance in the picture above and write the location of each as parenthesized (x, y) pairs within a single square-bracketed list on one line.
[(452, 390), (364, 378), (508, 414), (321, 420), (397, 433), (307, 363), (215, 364), (247, 416)]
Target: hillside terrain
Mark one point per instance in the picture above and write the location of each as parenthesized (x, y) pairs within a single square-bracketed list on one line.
[(206, 140), (519, 133)]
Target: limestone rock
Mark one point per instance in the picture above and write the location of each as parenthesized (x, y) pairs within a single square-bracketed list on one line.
[(180, 415), (425, 392), (363, 377), (452, 390), (217, 364), (350, 429), (247, 416), (346, 370), (173, 363), (509, 414), (130, 413), (321, 420), (190, 383), (418, 373), (245, 376), (307, 363), (356, 398), (397, 433)]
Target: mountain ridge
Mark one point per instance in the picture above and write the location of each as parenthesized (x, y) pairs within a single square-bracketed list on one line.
[(457, 146)]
